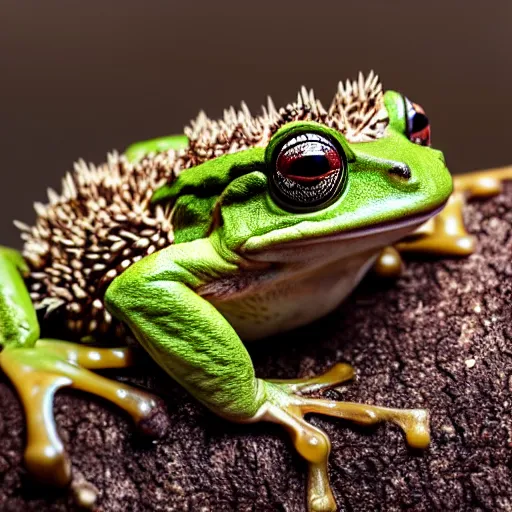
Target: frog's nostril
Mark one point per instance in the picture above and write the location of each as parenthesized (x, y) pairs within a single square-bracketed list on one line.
[(401, 171)]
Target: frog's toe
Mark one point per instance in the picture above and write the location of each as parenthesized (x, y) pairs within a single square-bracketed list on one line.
[(484, 183), (37, 373), (338, 374), (320, 497), (156, 423), (322, 504), (414, 422), (310, 442), (45, 456), (417, 431), (389, 263), (47, 461)]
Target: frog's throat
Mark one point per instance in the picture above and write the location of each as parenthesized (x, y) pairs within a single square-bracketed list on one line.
[(257, 244)]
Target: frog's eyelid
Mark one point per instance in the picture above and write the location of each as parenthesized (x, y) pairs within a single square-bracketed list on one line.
[(305, 137)]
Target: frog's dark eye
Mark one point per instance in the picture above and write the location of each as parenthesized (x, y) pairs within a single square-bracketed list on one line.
[(418, 125), (309, 172)]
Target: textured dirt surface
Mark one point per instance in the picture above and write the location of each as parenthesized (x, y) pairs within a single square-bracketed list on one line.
[(440, 337)]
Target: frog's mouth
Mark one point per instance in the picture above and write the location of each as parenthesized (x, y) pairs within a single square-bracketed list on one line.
[(401, 227)]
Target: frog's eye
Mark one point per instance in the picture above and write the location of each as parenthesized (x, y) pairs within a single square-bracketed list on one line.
[(309, 172), (418, 125)]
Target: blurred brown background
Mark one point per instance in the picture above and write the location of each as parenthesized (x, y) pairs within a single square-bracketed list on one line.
[(79, 78)]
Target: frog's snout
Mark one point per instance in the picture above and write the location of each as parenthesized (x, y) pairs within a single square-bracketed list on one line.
[(400, 170)]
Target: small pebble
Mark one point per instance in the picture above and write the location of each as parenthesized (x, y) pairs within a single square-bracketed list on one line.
[(85, 494), (470, 362)]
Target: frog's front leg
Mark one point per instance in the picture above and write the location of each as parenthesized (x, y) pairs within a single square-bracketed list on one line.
[(196, 345), (38, 368), (445, 234)]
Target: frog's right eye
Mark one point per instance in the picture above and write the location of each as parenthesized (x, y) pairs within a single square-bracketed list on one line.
[(308, 173), (418, 125)]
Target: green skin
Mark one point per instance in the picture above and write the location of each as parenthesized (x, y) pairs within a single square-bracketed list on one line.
[(229, 230)]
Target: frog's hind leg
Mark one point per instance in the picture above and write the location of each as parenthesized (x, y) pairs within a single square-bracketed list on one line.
[(445, 234), (38, 372)]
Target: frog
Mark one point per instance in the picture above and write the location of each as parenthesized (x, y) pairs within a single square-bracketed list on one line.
[(192, 246)]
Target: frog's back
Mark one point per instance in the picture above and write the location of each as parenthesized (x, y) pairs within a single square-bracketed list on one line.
[(101, 223)]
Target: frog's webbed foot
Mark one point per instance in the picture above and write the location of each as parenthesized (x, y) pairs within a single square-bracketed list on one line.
[(486, 183), (445, 234), (287, 407), (37, 373)]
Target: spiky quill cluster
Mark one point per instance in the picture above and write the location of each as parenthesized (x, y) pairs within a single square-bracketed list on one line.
[(357, 111), (84, 238), (103, 221)]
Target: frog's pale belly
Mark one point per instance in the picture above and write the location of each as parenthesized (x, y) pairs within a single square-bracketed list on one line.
[(310, 281), (288, 303)]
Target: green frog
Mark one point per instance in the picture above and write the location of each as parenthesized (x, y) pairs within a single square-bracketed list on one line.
[(191, 245)]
